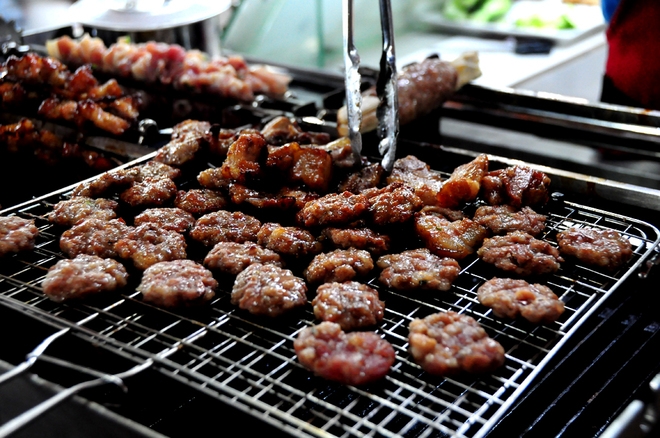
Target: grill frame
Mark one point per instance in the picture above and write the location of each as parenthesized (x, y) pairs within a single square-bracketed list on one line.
[(407, 392)]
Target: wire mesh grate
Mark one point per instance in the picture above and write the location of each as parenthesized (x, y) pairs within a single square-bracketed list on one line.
[(249, 362)]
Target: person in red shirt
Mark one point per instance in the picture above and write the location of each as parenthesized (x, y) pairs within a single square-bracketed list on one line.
[(632, 71)]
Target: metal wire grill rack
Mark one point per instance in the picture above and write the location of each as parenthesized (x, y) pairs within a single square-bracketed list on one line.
[(249, 362)]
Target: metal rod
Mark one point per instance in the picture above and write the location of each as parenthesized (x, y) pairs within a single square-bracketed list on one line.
[(26, 417), (31, 357), (386, 87), (352, 80)]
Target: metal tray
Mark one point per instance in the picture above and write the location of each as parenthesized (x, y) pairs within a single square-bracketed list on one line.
[(589, 22), (248, 362)]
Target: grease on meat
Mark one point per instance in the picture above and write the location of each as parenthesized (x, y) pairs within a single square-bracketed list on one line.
[(447, 343), (355, 358), (177, 283), (268, 290), (603, 248), (83, 276), (510, 298), (521, 253), (339, 265), (502, 219), (233, 258), (350, 304), (16, 234), (417, 269)]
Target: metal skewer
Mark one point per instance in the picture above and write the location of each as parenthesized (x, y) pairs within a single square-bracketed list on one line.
[(387, 113)]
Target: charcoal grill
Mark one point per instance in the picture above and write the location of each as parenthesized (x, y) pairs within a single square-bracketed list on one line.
[(248, 363), (222, 365)]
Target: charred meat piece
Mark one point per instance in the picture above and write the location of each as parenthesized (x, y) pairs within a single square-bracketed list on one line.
[(394, 204), (350, 304), (516, 185), (187, 139), (313, 168), (70, 211), (268, 290), (464, 183), (309, 166), (102, 119), (16, 234), (340, 151), (282, 130), (173, 219), (510, 298), (359, 238), (445, 238), (242, 162), (241, 194), (520, 253), (417, 269), (177, 283), (302, 197), (225, 226), (12, 93), (292, 241), (501, 219), (149, 192), (339, 265), (83, 276), (366, 178), (122, 178), (213, 179), (447, 343), (355, 358), (36, 70), (94, 236), (417, 174), (233, 258), (148, 244), (200, 201), (603, 248), (333, 209)]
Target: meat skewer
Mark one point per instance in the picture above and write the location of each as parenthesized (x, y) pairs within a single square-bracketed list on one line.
[(422, 87)]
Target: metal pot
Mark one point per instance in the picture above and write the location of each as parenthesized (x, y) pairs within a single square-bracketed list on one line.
[(193, 24)]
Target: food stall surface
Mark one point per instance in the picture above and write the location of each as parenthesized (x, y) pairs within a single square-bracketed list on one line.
[(220, 357)]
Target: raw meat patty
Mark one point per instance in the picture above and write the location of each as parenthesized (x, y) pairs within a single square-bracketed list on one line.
[(355, 358), (173, 219), (232, 257), (502, 219), (603, 248), (418, 269), (70, 211), (93, 236), (16, 234), (82, 276), (148, 244), (293, 241), (177, 283), (447, 343), (359, 238), (268, 290), (520, 253), (225, 226), (351, 305), (339, 265), (510, 297)]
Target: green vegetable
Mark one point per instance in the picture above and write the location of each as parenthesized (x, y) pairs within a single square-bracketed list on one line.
[(492, 10), (538, 22), (475, 10)]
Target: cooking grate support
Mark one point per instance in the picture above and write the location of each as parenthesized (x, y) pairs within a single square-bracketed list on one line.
[(249, 363)]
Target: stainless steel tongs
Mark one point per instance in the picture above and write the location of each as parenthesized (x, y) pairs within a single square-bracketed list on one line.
[(386, 87)]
